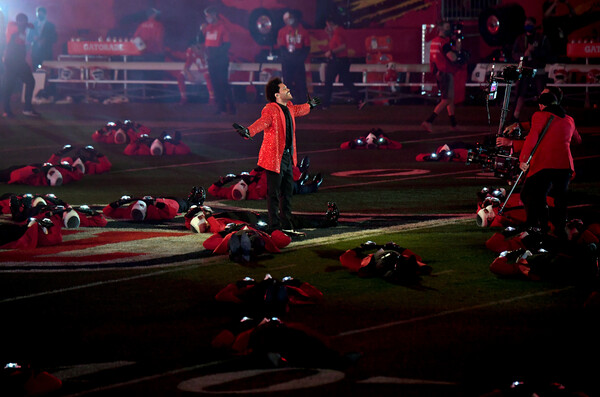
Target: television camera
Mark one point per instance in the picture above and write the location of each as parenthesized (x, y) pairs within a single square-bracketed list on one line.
[(500, 159), (456, 38)]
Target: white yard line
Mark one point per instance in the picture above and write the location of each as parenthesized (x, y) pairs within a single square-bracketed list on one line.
[(215, 259), (448, 312)]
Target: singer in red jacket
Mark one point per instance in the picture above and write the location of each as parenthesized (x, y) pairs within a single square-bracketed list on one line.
[(278, 150)]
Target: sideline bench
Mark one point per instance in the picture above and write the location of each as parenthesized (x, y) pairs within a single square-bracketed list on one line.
[(241, 74)]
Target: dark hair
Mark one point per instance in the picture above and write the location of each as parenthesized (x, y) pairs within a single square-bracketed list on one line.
[(272, 88), (557, 93), (335, 18), (548, 99), (531, 19), (21, 18), (211, 10), (42, 10)]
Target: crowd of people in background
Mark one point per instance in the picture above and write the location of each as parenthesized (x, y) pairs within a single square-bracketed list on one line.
[(209, 51)]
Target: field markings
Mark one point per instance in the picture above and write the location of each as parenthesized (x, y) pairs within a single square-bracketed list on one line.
[(152, 377), (182, 266), (449, 312), (421, 176)]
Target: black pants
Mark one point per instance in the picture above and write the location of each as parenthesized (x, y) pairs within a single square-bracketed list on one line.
[(12, 74), (294, 77), (280, 187), (341, 67), (218, 69), (535, 191)]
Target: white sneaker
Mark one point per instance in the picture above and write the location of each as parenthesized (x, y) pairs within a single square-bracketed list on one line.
[(42, 100), (65, 101), (31, 113)]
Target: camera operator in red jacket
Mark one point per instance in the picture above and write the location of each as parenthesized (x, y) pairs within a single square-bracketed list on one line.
[(551, 167)]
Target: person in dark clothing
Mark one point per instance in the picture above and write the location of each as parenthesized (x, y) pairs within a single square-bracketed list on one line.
[(217, 46), (16, 67), (338, 63), (551, 167), (42, 38), (294, 45), (278, 150), (535, 50), (443, 60)]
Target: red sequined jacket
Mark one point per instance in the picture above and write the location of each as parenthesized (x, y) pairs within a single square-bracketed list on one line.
[(272, 122)]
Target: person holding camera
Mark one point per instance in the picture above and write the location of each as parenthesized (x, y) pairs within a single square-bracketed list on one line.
[(445, 63), (278, 150), (551, 167), (534, 49), (522, 128)]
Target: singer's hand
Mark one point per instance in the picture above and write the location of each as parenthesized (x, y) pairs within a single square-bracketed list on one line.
[(313, 102), (243, 131)]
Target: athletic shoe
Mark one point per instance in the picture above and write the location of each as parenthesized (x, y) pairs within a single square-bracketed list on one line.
[(427, 126), (65, 101), (197, 195), (304, 163), (318, 179), (332, 215), (31, 113), (8, 115)]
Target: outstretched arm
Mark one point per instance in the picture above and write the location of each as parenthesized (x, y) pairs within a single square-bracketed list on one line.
[(265, 121)]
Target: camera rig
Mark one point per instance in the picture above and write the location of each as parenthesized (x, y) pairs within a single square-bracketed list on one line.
[(500, 159)]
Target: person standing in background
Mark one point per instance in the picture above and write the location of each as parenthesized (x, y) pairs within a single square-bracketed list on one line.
[(534, 48), (217, 55), (152, 33), (442, 60), (294, 44), (338, 63), (42, 38), (16, 67)]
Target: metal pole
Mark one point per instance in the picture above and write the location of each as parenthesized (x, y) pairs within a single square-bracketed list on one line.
[(505, 105), (527, 162)]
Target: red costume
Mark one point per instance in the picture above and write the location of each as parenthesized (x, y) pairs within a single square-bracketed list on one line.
[(554, 149), (164, 145), (32, 234), (272, 122), (376, 139), (437, 56), (338, 38), (218, 242), (152, 32), (438, 61), (246, 290), (215, 35), (127, 131), (156, 209), (255, 181), (293, 38), (455, 152), (99, 165), (36, 175)]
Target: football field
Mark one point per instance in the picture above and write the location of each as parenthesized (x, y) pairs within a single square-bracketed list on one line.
[(129, 309)]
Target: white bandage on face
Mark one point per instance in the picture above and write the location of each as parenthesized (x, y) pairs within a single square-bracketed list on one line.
[(485, 216)]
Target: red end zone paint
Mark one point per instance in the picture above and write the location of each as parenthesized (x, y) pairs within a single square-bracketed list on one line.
[(49, 254)]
